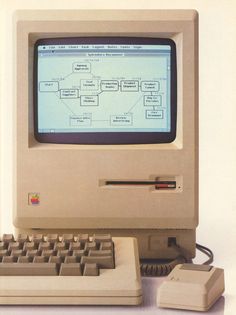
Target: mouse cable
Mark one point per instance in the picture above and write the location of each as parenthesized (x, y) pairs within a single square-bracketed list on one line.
[(207, 252), (153, 268)]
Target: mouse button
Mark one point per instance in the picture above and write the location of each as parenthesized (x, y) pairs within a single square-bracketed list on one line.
[(195, 267)]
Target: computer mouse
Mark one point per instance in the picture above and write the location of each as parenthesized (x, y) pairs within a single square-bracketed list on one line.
[(191, 287)]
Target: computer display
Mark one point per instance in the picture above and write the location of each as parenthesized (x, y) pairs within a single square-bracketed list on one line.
[(105, 90)]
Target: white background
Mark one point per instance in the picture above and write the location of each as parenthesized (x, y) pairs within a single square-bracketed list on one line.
[(217, 116)]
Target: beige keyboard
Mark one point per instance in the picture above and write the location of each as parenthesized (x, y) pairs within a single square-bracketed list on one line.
[(69, 269)]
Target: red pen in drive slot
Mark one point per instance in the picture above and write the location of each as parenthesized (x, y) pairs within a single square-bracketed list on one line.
[(166, 185)]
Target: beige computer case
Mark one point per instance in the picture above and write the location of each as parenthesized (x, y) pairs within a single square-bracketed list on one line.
[(69, 180)]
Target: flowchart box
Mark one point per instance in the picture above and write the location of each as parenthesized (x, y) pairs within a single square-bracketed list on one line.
[(121, 120), (150, 86), (81, 67), (152, 100), (89, 85), (89, 100), (129, 86), (80, 120), (68, 93), (109, 85), (154, 114), (48, 86)]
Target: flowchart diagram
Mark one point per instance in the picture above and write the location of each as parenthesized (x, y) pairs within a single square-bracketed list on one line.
[(118, 102)]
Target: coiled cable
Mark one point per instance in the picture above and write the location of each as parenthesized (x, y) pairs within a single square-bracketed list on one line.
[(153, 268), (158, 270)]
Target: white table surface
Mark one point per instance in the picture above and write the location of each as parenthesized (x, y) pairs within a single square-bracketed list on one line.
[(217, 234), (221, 241), (150, 287)]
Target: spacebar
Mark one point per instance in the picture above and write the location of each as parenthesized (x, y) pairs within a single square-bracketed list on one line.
[(28, 269)]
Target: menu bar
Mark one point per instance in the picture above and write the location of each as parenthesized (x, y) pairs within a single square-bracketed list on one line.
[(103, 47)]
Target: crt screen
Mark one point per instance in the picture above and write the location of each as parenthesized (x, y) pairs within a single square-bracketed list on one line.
[(103, 88)]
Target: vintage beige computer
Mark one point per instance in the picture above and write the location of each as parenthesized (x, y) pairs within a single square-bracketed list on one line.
[(106, 128)]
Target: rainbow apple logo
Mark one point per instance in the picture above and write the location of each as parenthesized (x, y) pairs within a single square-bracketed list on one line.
[(34, 199)]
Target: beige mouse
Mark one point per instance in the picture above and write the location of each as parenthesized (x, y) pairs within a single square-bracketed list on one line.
[(191, 287)]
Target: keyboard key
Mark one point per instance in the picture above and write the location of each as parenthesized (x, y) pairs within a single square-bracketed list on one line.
[(60, 245), (24, 259), (22, 238), (78, 253), (13, 245), (90, 245), (37, 238), (2, 245), (17, 252), (52, 238), (71, 269), (33, 252), (48, 252), (91, 269), (45, 246), (101, 261), (9, 259), (40, 259), (106, 245), (8, 238), (105, 252), (101, 238), (55, 259), (29, 246), (28, 269), (64, 252), (83, 238), (71, 259), (75, 245), (3, 252), (68, 238)]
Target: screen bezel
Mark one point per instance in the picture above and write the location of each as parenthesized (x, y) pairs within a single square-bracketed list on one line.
[(108, 137)]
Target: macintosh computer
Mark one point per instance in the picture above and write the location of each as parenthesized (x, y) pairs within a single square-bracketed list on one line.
[(106, 142), (106, 125)]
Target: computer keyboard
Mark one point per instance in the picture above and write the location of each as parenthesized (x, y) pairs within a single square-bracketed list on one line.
[(69, 269)]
